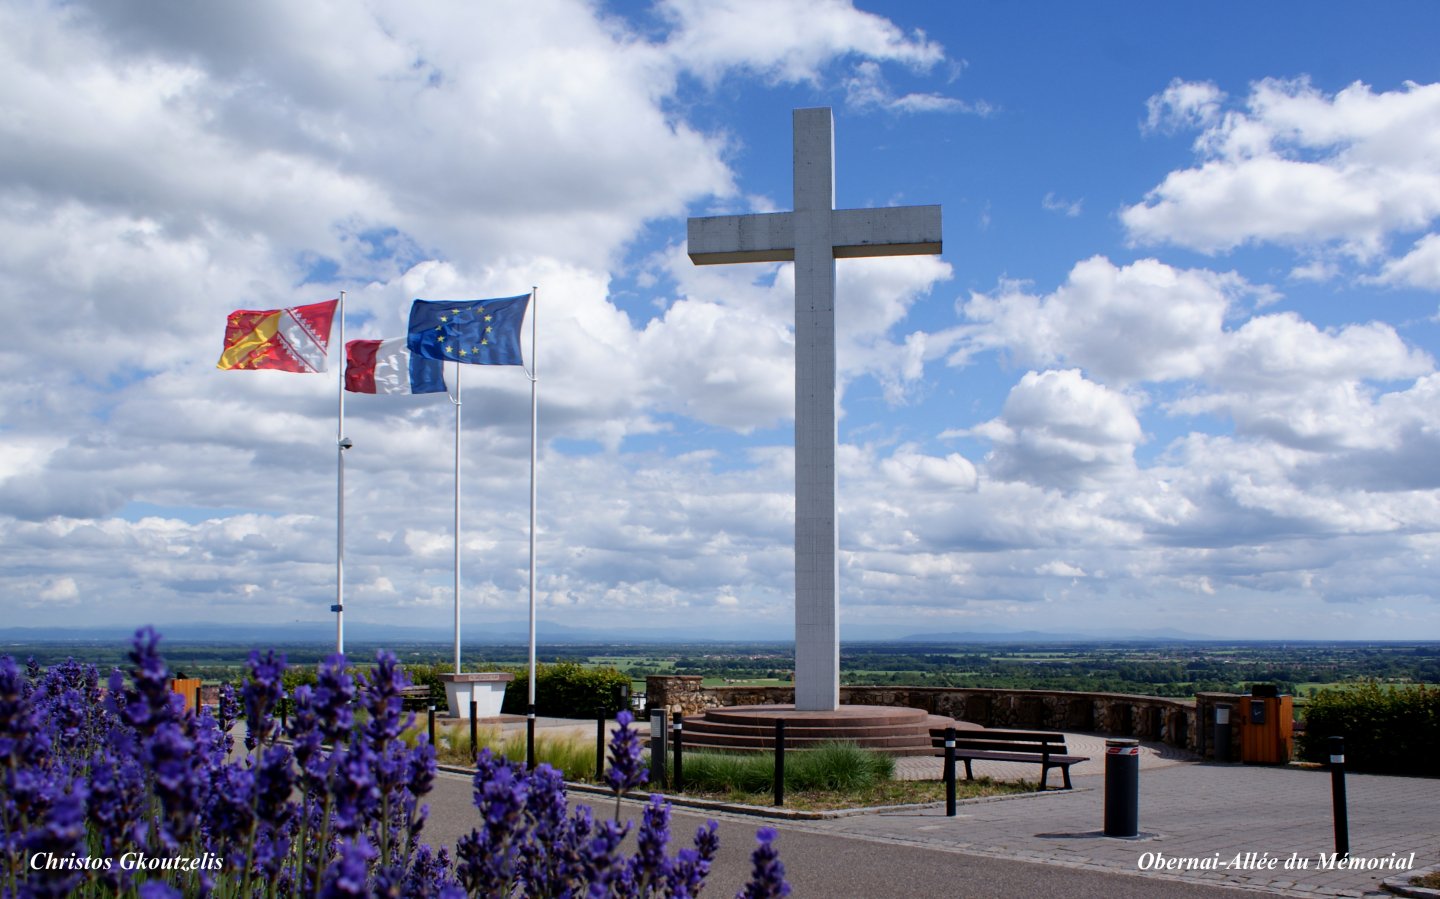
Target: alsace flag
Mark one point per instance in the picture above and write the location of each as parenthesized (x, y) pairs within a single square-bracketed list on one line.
[(294, 339), (478, 332), (386, 366)]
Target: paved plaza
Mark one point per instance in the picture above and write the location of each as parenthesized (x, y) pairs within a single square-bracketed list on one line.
[(1191, 812)]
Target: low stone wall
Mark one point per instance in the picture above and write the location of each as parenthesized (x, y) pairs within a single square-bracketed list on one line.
[(1177, 722)]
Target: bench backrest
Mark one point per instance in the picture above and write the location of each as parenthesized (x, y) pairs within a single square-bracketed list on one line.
[(1034, 742)]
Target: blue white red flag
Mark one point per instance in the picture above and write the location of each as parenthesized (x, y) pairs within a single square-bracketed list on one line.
[(386, 366)]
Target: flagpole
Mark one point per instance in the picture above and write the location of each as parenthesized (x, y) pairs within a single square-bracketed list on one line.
[(534, 431), (341, 445), (456, 401)]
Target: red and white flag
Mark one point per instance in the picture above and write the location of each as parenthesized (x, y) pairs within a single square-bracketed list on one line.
[(294, 339)]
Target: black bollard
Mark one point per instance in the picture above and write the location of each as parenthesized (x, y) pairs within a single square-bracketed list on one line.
[(474, 729), (679, 753), (599, 743), (530, 737), (430, 724), (779, 762), (949, 772), (659, 752), (1122, 788), (197, 701), (1222, 732), (1337, 796)]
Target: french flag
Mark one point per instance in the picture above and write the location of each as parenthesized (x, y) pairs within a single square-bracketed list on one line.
[(386, 366)]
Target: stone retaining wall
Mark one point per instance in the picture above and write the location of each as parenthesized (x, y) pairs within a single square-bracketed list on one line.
[(1172, 721)]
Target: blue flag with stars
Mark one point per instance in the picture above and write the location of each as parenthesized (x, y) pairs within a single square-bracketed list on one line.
[(478, 332)]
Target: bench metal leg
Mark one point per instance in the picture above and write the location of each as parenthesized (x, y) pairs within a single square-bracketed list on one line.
[(1065, 770), (969, 775)]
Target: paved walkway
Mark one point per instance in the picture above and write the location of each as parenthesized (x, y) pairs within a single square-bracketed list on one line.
[(1192, 813), (1245, 823)]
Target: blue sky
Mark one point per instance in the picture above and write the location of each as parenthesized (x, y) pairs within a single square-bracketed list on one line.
[(1175, 368)]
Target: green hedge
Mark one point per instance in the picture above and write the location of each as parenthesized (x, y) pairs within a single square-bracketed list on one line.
[(567, 690), (1387, 729)]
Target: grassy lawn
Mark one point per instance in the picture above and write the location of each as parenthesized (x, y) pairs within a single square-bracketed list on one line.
[(889, 792)]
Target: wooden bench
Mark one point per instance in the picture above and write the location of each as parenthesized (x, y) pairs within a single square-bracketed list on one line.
[(1010, 746), (415, 697)]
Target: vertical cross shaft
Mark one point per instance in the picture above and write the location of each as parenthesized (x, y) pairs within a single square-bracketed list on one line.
[(813, 237), (817, 599)]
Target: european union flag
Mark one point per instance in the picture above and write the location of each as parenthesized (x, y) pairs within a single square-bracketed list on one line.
[(478, 332)]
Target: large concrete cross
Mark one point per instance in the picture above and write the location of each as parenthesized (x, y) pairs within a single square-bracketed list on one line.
[(813, 237)]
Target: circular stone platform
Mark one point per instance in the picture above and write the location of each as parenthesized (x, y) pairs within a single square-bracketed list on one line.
[(888, 729)]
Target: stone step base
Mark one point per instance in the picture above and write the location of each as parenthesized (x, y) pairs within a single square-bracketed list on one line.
[(893, 731)]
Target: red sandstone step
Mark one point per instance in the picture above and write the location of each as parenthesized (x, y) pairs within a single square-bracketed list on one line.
[(839, 733), (893, 730)]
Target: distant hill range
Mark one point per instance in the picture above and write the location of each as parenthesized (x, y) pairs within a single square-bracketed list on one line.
[(1167, 634)]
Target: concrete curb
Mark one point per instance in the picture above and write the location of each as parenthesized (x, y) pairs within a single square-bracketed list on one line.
[(1400, 884)]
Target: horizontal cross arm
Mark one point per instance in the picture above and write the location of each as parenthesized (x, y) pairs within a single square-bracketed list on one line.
[(765, 237), (887, 231)]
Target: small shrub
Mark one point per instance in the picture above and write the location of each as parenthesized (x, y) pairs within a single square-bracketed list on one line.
[(837, 766), (752, 772), (1387, 730)]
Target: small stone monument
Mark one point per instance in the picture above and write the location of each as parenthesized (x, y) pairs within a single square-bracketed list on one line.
[(486, 688)]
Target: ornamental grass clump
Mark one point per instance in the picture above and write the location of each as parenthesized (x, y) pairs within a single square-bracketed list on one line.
[(124, 792)]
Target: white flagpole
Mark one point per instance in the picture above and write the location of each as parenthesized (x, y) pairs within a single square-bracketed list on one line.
[(534, 431), (456, 401), (341, 445)]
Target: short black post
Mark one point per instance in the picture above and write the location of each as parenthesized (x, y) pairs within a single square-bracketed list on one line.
[(679, 753), (530, 737), (197, 701), (599, 743), (1222, 732), (284, 716), (779, 762), (1122, 788), (1337, 796), (474, 729), (430, 724), (659, 752), (949, 772)]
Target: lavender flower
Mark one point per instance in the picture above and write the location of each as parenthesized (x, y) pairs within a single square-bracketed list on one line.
[(767, 880), (61, 834), (80, 776), (348, 875), (229, 711), (691, 866), (261, 694), (334, 697), (488, 858), (150, 703), (627, 755), (649, 869)]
